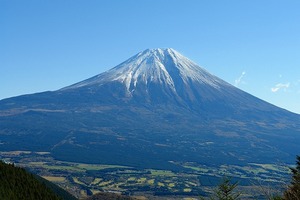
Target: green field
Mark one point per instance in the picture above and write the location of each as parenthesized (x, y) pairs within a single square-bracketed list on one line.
[(55, 178)]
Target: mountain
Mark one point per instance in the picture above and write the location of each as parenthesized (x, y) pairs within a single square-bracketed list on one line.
[(17, 183), (153, 110)]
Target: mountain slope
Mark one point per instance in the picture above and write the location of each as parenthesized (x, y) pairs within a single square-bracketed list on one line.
[(164, 75), (156, 107)]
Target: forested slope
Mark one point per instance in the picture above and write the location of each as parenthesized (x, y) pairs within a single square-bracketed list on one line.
[(17, 184)]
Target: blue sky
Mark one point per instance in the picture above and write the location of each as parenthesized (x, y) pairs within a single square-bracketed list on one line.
[(49, 44)]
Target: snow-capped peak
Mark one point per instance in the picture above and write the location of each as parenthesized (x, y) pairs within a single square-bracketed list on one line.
[(164, 66)]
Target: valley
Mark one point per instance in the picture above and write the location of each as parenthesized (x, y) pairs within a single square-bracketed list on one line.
[(83, 179)]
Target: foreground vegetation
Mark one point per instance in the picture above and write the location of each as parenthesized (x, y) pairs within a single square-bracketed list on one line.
[(226, 189), (293, 190), (17, 184)]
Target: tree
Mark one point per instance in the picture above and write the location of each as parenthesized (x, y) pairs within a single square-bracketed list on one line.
[(293, 191), (225, 191)]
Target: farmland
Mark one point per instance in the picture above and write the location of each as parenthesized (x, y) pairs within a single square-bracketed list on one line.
[(83, 179)]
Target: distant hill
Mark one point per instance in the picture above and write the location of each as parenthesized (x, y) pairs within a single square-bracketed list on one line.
[(17, 184)]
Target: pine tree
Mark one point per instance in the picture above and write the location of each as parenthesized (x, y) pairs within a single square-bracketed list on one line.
[(225, 191), (293, 191)]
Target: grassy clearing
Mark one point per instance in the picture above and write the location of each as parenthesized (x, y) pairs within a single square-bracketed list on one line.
[(140, 197), (76, 167), (199, 169), (76, 180), (37, 163), (171, 185), (151, 181), (105, 183), (98, 167), (272, 167), (96, 181), (95, 191), (63, 168), (191, 183), (160, 184), (131, 179), (255, 170), (48, 165), (54, 178), (142, 180), (162, 173)]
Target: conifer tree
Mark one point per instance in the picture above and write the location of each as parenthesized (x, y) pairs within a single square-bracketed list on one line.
[(225, 191), (293, 191)]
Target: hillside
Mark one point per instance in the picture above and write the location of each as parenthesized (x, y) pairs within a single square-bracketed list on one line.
[(17, 184)]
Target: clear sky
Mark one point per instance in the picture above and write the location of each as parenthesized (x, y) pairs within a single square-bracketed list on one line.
[(252, 44)]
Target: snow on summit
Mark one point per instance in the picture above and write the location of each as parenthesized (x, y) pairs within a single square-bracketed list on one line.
[(163, 66)]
